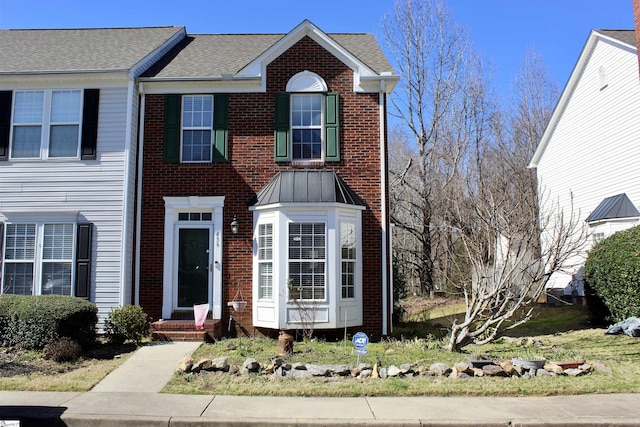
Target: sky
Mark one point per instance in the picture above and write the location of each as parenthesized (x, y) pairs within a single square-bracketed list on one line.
[(502, 30)]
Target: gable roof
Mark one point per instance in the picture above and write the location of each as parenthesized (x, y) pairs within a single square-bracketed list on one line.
[(625, 39), (80, 50), (614, 207), (307, 186), (238, 57)]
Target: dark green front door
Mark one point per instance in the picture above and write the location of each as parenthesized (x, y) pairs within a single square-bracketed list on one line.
[(193, 266)]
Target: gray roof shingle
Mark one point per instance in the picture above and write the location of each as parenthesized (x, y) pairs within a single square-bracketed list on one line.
[(208, 55), (626, 36), (88, 49)]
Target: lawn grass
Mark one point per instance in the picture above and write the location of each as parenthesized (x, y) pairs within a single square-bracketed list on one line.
[(571, 340)]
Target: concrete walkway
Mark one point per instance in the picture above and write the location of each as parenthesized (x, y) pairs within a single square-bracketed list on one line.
[(129, 396)]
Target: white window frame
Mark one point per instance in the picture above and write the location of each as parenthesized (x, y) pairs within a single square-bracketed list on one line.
[(46, 123), (39, 259), (295, 290), (265, 250), (348, 286), (310, 127), (184, 128)]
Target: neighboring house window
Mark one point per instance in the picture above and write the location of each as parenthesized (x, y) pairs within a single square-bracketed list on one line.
[(597, 237), (348, 259), (306, 126), (307, 261), (49, 124), (39, 259), (265, 261), (196, 128)]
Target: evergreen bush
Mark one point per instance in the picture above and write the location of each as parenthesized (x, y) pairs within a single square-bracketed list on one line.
[(129, 323), (33, 321), (612, 271)]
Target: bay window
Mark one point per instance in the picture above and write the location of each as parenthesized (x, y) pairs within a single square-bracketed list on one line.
[(307, 261)]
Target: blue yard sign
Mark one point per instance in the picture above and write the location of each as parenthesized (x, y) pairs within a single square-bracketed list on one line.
[(360, 341)]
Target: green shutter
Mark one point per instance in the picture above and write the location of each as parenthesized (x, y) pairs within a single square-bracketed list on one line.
[(332, 128), (172, 107), (83, 261), (220, 128), (5, 124), (89, 141), (281, 126)]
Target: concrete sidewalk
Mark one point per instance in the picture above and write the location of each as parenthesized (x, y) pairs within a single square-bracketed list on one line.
[(129, 396)]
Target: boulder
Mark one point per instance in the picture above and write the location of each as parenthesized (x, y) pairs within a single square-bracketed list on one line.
[(383, 373), (552, 367), (220, 364), (574, 372), (478, 372), (375, 373), (250, 365), (317, 370), (543, 373), (508, 368)]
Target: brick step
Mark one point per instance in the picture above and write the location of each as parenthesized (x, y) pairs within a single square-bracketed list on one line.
[(185, 330)]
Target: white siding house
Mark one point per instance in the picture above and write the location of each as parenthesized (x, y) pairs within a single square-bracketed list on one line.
[(589, 150), (68, 138)]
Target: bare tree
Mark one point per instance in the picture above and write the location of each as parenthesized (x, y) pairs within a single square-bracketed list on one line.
[(436, 63)]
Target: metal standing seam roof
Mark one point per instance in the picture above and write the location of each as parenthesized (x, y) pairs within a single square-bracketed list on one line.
[(307, 186), (207, 55), (77, 50), (614, 207)]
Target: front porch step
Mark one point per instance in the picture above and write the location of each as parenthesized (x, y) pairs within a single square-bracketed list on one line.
[(185, 330)]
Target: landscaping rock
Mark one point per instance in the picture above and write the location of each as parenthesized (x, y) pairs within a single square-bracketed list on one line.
[(601, 367), (317, 370), (384, 373), (250, 365), (574, 372), (234, 370), (478, 372), (543, 373), (185, 364), (375, 373), (463, 367), (552, 367), (202, 365), (508, 368), (394, 371), (340, 370), (494, 371), (365, 373), (220, 364), (440, 369)]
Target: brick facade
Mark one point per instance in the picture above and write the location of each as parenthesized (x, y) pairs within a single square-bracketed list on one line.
[(251, 165)]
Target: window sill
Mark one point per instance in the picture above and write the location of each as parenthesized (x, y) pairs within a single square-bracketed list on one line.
[(306, 164)]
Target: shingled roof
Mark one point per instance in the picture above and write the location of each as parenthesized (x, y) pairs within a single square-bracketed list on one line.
[(207, 55), (78, 50), (625, 36)]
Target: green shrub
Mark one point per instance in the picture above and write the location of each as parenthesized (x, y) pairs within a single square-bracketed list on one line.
[(63, 350), (33, 321), (612, 271), (128, 323)]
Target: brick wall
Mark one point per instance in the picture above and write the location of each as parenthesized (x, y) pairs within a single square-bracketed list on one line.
[(251, 166)]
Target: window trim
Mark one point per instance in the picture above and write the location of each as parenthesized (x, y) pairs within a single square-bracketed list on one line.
[(38, 259), (184, 128), (46, 124), (262, 290), (324, 261), (351, 260)]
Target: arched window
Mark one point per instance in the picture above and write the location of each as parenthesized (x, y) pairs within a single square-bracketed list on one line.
[(307, 121)]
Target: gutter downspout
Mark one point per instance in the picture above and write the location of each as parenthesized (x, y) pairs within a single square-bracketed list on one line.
[(383, 195), (142, 108)]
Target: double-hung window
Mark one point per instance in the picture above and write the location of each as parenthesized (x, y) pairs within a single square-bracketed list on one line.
[(307, 260), (306, 126), (348, 259), (38, 259), (46, 124), (265, 261), (197, 128)]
